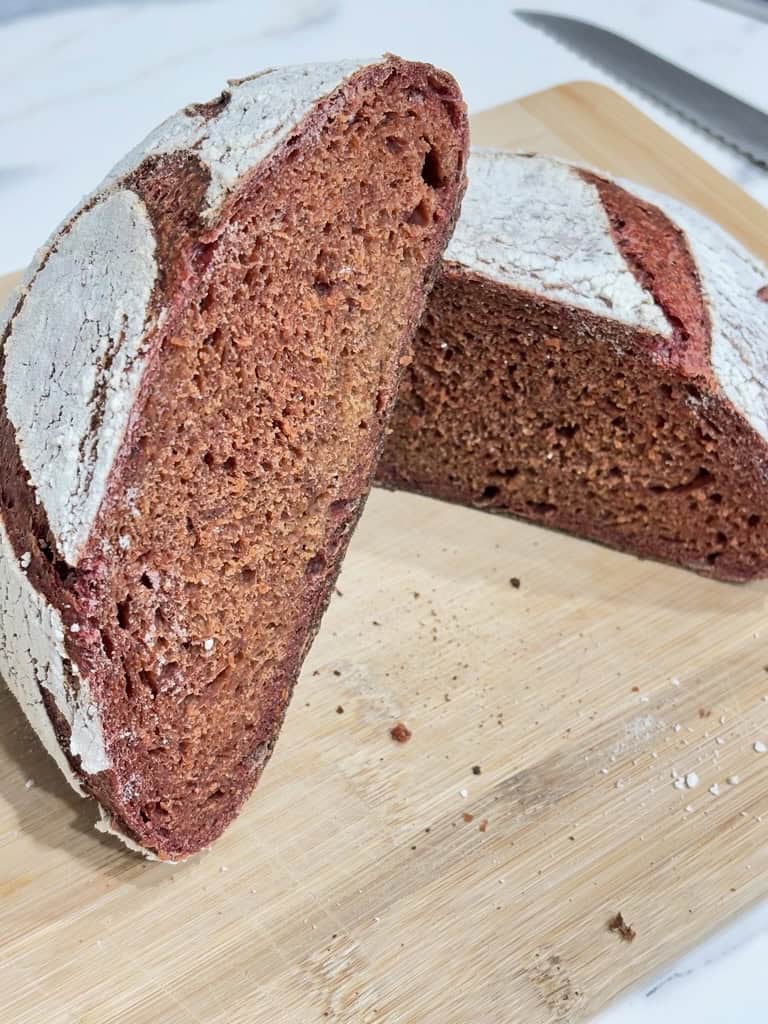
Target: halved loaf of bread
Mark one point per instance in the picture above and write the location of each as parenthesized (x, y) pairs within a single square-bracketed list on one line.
[(594, 357), (197, 372)]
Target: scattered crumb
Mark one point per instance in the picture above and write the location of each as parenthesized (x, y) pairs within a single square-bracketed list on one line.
[(644, 700), (337, 592), (675, 680), (625, 931), (733, 780), (223, 868), (679, 783), (29, 784), (689, 808), (400, 732), (676, 728), (339, 709), (337, 672), (463, 793), (759, 747), (375, 622), (208, 644), (482, 827), (704, 713), (691, 780), (720, 741), (603, 771), (75, 627), (468, 817), (25, 559), (476, 769), (714, 790), (515, 582)]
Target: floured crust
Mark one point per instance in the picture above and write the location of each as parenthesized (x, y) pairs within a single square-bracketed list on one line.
[(70, 384), (731, 279), (533, 222)]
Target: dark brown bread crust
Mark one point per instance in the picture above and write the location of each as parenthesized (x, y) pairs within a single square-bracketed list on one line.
[(546, 412), (251, 445)]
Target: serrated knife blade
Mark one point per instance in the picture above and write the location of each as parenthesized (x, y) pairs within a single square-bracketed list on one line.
[(729, 119)]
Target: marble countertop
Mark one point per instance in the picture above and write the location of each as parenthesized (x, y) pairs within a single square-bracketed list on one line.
[(79, 84)]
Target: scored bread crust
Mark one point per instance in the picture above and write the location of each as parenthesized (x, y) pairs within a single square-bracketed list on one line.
[(81, 334), (619, 264)]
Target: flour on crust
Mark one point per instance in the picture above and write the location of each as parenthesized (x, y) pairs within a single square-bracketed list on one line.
[(534, 223)]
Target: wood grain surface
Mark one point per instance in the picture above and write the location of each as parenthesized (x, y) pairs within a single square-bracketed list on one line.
[(370, 881)]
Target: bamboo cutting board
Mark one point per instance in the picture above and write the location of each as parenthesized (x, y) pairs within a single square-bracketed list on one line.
[(354, 888)]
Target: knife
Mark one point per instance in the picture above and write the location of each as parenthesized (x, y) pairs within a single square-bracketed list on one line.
[(727, 118)]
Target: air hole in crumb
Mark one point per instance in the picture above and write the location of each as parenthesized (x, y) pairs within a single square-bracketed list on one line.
[(431, 171), (124, 612), (146, 581), (208, 301), (420, 216), (149, 679), (715, 498), (721, 538), (315, 565), (568, 430), (490, 492), (248, 576), (322, 287), (541, 508), (753, 520), (229, 465), (208, 459), (395, 145)]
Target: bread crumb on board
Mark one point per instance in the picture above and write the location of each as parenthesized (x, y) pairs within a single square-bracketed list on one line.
[(625, 931), (400, 732)]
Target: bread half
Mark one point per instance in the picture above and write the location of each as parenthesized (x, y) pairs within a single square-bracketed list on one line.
[(197, 370), (594, 357)]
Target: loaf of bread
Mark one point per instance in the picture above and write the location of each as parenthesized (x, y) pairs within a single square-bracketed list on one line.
[(594, 357), (197, 372)]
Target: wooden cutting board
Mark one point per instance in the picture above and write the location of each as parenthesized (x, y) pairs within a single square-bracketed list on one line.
[(361, 884)]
